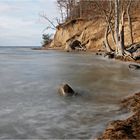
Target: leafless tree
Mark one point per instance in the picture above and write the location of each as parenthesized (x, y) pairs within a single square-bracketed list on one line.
[(130, 21), (115, 18), (66, 8)]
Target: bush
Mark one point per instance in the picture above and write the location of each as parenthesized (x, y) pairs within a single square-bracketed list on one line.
[(46, 39)]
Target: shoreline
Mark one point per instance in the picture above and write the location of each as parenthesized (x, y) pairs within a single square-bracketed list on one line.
[(128, 128), (97, 51), (121, 129)]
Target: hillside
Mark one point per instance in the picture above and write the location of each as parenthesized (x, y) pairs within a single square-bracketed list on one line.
[(86, 23), (90, 33)]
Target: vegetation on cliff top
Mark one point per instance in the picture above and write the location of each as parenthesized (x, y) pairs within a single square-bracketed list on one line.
[(46, 39), (117, 19)]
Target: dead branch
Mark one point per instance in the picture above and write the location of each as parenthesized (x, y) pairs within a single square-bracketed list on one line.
[(108, 18), (46, 18)]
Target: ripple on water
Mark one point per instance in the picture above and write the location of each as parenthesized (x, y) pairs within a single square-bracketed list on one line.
[(30, 107)]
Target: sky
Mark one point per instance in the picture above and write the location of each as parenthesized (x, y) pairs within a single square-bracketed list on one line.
[(20, 23)]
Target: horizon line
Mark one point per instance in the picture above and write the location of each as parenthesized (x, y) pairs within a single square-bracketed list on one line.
[(19, 46)]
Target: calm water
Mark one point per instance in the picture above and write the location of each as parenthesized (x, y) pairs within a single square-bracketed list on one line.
[(30, 107)]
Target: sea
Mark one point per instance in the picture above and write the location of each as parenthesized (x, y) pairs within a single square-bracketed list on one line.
[(31, 108)]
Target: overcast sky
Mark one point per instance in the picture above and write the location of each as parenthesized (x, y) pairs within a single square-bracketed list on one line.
[(20, 23)]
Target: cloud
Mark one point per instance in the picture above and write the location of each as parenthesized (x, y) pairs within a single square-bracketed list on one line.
[(5, 7), (12, 23), (20, 20)]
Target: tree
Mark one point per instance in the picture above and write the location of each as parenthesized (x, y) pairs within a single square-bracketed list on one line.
[(115, 19), (129, 21), (119, 32), (66, 8), (62, 5), (52, 25), (46, 39)]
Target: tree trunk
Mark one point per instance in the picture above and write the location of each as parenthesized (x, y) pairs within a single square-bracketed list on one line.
[(117, 24), (106, 43), (122, 34), (62, 16), (122, 39), (80, 8), (67, 11), (109, 22), (108, 18), (119, 47), (130, 22)]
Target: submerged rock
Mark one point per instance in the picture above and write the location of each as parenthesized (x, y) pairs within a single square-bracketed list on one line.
[(66, 90)]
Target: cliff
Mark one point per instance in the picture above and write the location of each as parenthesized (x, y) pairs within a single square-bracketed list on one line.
[(90, 33)]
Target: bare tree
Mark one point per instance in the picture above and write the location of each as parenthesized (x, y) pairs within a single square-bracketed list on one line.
[(115, 18), (129, 21), (66, 8), (119, 31), (51, 22), (108, 18), (63, 8)]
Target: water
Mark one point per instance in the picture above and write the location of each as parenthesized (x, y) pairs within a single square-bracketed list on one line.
[(30, 107)]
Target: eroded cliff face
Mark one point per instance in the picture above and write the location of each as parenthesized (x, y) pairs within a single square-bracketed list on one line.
[(90, 33)]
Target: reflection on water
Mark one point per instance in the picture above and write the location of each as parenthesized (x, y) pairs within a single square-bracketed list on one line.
[(30, 107)]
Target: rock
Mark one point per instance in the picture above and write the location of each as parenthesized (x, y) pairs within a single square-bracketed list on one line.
[(131, 103), (133, 47), (109, 55), (37, 48), (66, 90), (134, 50), (134, 66), (99, 50), (136, 54)]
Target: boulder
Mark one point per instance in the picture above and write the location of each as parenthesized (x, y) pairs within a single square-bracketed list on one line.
[(110, 55), (136, 54), (66, 90), (134, 66), (133, 47), (98, 53)]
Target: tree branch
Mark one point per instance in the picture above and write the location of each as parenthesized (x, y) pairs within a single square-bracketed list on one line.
[(46, 18)]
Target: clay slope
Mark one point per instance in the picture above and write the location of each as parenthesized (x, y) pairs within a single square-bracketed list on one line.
[(90, 33)]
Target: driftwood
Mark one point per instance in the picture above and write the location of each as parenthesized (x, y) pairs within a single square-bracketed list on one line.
[(134, 66), (134, 51)]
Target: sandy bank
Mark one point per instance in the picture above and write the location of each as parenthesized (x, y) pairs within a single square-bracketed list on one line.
[(128, 128)]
